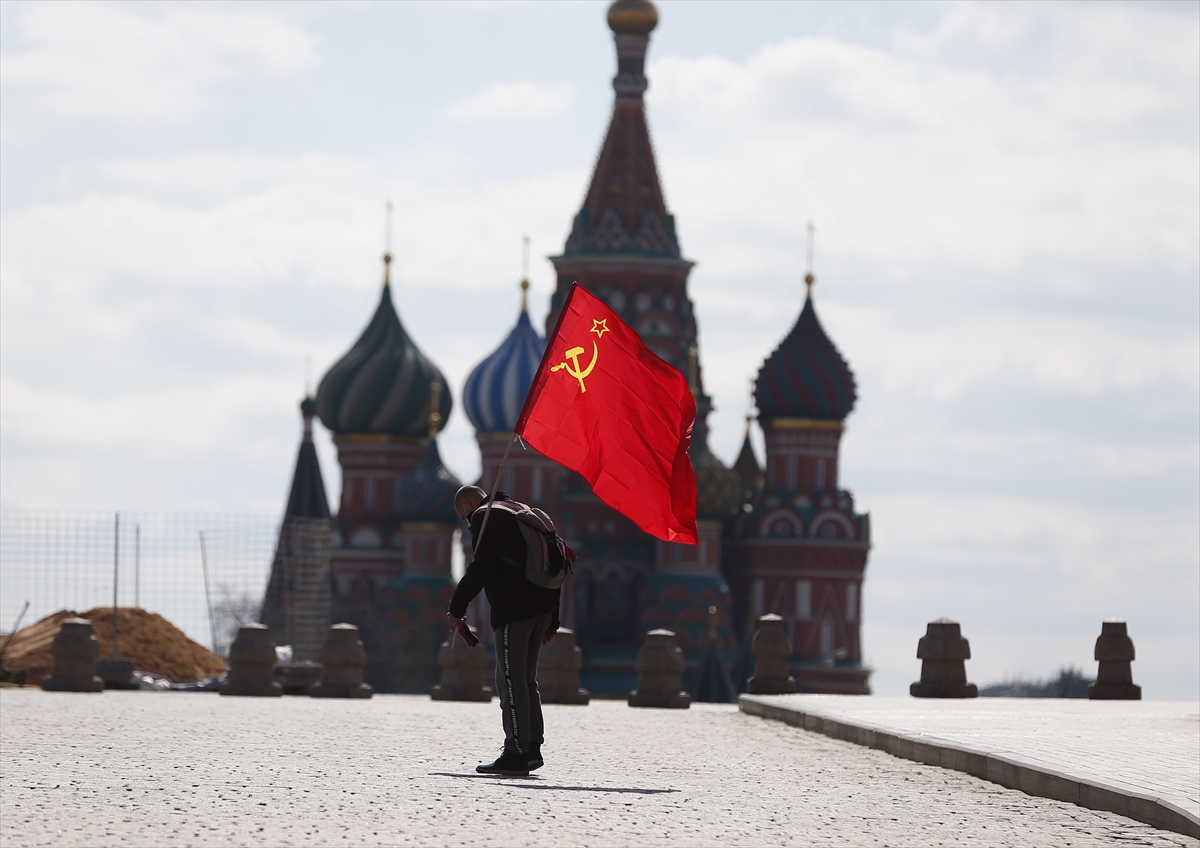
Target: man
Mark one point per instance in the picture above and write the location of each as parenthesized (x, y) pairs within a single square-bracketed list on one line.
[(524, 617)]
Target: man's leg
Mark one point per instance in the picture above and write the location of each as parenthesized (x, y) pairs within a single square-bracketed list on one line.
[(536, 726), (512, 658)]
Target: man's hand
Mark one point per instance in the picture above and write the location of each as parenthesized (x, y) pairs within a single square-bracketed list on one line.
[(456, 624), (549, 635)]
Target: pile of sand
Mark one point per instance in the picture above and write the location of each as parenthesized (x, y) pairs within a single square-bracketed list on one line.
[(154, 644)]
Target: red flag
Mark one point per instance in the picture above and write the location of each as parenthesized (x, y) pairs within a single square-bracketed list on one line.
[(605, 406)]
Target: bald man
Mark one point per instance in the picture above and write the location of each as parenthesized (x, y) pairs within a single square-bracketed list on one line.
[(524, 617)]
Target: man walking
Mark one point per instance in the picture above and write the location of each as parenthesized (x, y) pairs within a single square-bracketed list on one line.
[(524, 617)]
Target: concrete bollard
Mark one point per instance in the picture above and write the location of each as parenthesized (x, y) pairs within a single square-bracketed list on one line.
[(342, 659), (558, 671), (75, 650), (772, 647), (660, 668), (251, 662), (297, 678), (117, 673), (1114, 652), (462, 672), (942, 651)]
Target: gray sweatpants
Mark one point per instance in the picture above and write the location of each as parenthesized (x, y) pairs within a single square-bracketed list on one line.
[(517, 647)]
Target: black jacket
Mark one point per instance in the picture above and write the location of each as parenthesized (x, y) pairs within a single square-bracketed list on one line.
[(510, 595)]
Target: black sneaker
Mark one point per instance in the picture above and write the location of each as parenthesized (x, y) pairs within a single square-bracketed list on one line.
[(535, 758), (510, 763)]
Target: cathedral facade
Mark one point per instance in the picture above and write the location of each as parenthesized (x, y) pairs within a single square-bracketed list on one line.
[(784, 539)]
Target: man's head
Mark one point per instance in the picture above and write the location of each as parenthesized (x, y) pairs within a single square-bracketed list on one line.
[(467, 500)]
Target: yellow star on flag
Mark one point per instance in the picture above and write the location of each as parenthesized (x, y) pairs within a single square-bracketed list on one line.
[(599, 327)]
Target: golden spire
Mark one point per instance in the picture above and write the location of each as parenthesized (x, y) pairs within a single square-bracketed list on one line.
[(525, 275), (435, 403), (387, 245), (809, 279)]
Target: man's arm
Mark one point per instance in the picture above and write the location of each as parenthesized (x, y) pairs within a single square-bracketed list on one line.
[(483, 560)]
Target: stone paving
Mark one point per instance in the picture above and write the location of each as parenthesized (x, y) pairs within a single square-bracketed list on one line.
[(139, 768), (1153, 745)]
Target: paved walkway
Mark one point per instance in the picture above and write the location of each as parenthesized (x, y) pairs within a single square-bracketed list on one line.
[(141, 768), (1141, 749)]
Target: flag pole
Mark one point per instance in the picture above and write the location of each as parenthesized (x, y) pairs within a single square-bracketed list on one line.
[(487, 513)]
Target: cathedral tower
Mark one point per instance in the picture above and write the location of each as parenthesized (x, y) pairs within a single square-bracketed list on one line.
[(623, 248), (799, 548)]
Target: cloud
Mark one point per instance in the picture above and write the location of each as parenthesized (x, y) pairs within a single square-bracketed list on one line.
[(145, 62), (514, 101)]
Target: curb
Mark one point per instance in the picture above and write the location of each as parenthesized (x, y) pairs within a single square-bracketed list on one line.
[(1010, 770)]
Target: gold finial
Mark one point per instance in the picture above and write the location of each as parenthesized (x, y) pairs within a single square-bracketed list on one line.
[(809, 279), (387, 244), (525, 274), (435, 403), (694, 369)]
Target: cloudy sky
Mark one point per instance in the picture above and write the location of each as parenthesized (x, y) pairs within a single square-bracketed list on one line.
[(1007, 202)]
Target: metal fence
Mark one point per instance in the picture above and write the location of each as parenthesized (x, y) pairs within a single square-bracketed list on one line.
[(205, 573)]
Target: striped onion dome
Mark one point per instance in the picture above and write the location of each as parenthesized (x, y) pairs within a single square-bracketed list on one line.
[(427, 494), (496, 389), (805, 377), (384, 384)]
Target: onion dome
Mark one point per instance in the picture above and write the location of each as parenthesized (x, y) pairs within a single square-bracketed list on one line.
[(805, 377), (632, 17), (383, 385), (496, 389), (427, 494)]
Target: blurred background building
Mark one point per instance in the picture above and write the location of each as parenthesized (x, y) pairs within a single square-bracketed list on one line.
[(785, 539)]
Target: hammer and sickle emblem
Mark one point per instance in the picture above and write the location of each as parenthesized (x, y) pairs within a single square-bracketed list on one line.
[(576, 372)]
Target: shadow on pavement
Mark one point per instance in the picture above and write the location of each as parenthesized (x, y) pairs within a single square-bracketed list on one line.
[(620, 789)]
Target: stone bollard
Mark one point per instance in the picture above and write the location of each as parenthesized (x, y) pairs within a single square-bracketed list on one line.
[(75, 650), (1114, 652), (117, 673), (942, 651), (660, 668), (251, 662), (297, 678), (558, 671), (462, 672), (342, 661), (771, 651)]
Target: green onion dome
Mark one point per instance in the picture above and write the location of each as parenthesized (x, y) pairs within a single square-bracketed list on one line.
[(384, 385)]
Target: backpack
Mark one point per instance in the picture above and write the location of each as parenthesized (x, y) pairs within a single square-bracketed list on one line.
[(548, 558)]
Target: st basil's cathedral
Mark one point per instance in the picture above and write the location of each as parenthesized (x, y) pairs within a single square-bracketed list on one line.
[(784, 538)]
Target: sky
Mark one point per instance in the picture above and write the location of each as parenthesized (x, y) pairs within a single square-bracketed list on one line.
[(1007, 208)]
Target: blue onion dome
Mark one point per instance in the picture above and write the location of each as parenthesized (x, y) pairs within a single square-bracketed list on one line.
[(805, 377), (427, 494), (496, 389), (383, 385)]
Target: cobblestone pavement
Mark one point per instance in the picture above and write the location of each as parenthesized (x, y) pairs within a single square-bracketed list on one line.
[(138, 768), (1154, 745)]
